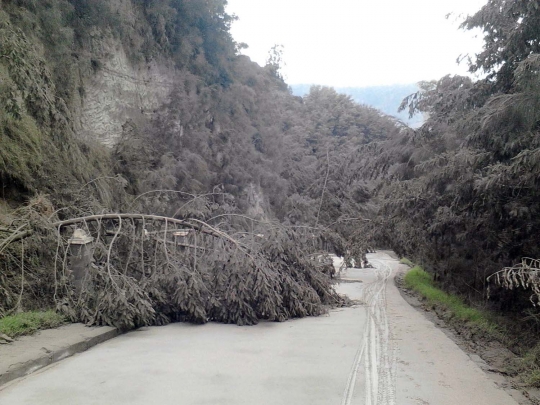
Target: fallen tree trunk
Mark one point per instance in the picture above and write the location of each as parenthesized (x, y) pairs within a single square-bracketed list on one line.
[(199, 225)]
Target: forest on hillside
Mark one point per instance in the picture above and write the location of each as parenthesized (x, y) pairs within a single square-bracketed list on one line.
[(231, 155), (234, 155), (384, 98)]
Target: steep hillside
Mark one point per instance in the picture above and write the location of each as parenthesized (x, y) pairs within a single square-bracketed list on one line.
[(161, 86), (141, 119)]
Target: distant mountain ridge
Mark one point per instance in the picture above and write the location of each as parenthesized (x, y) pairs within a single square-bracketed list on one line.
[(384, 98)]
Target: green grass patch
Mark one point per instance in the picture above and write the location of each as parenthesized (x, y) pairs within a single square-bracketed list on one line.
[(406, 261), (27, 323), (532, 378), (421, 282), (531, 365)]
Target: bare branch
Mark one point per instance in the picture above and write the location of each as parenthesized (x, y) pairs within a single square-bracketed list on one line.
[(209, 231), (18, 234), (324, 186)]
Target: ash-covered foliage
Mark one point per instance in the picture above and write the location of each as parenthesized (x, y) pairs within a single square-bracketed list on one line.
[(149, 277), (231, 141), (27, 250), (229, 124), (151, 270), (460, 194)]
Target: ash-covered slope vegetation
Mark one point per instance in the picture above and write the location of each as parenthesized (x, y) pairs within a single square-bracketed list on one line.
[(226, 121), (384, 98), (216, 139), (460, 194), (206, 138)]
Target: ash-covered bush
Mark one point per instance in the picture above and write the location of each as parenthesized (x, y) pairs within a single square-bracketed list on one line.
[(146, 276)]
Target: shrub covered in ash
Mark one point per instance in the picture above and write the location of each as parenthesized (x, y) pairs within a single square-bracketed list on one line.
[(146, 276), (152, 270)]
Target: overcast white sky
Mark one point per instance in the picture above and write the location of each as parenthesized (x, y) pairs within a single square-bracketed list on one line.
[(357, 42)]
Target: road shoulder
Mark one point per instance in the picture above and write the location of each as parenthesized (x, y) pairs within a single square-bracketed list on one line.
[(489, 356), (28, 354)]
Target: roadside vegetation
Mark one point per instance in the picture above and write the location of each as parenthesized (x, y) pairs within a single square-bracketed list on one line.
[(531, 366), (27, 323), (460, 193), (406, 261), (455, 308), (478, 324)]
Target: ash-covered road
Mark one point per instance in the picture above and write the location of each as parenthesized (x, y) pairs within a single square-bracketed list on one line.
[(382, 352)]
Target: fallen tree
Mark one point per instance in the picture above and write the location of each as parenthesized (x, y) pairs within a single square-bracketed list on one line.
[(142, 276), (152, 270)]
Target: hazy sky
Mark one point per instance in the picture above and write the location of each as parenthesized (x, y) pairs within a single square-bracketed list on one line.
[(358, 42)]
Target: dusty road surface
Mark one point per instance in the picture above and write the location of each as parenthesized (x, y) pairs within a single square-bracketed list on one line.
[(382, 352)]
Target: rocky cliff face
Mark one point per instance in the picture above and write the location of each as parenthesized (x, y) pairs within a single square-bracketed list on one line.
[(120, 90), (257, 206)]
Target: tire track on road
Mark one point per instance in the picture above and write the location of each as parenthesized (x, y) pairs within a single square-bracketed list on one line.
[(376, 356)]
